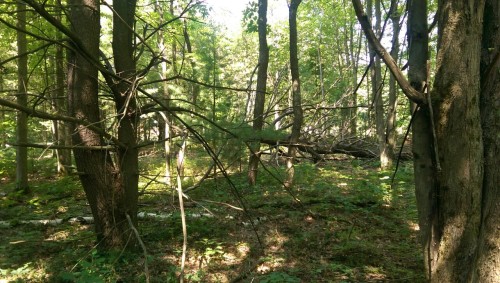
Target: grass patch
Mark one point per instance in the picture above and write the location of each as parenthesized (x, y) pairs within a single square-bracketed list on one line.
[(350, 226)]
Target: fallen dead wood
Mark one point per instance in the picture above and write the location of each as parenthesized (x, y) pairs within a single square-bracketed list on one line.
[(359, 148), (86, 220)]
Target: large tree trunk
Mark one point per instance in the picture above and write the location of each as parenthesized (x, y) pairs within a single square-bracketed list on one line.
[(423, 158), (459, 140), (488, 252), (126, 107), (459, 200), (260, 95), (96, 170), (296, 96), (110, 189), (22, 99), (423, 163)]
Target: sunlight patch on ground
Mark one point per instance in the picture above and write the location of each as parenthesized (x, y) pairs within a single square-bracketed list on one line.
[(413, 226), (271, 263), (59, 235), (275, 240), (62, 209)]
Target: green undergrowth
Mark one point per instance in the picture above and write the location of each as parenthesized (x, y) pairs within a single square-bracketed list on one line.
[(343, 221)]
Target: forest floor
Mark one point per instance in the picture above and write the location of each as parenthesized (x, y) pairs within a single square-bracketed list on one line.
[(350, 226)]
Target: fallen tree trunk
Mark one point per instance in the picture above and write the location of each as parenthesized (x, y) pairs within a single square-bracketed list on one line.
[(85, 220), (359, 148)]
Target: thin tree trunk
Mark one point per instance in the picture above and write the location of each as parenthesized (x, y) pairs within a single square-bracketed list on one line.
[(349, 114), (125, 101), (423, 157), (260, 95), (62, 128), (195, 88), (353, 101), (377, 90), (296, 96), (22, 99), (165, 127), (390, 129)]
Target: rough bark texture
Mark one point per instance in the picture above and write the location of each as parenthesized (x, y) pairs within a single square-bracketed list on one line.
[(458, 204), (22, 99), (390, 124), (97, 172), (125, 101), (110, 189), (488, 252), (423, 158), (459, 139), (260, 95), (296, 96)]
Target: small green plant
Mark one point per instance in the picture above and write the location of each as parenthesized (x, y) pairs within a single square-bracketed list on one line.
[(279, 277), (97, 268), (212, 250)]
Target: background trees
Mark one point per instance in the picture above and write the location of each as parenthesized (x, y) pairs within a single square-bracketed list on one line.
[(146, 72)]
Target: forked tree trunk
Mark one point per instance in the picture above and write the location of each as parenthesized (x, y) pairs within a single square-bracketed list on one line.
[(296, 96), (126, 106), (260, 93), (111, 189), (96, 169)]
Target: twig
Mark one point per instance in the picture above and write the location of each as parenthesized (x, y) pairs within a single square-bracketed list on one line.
[(402, 144), (151, 180), (180, 163), (146, 269), (433, 126)]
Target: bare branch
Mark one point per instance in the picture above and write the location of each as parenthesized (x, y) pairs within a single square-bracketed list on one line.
[(54, 117), (408, 90)]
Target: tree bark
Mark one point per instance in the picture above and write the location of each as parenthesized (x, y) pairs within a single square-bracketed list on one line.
[(458, 204), (423, 150), (125, 102), (296, 96), (63, 136), (22, 99), (377, 86), (459, 140), (487, 258), (97, 171), (390, 124), (165, 117), (408, 90), (260, 95), (111, 189)]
